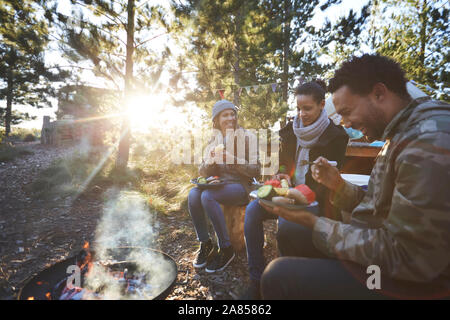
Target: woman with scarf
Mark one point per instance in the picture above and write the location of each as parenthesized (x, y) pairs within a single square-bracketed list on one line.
[(223, 158), (311, 134)]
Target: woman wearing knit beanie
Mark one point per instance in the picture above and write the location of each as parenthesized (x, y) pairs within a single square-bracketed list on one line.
[(235, 169)]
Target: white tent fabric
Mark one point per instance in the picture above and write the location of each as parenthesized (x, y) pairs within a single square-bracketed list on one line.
[(413, 91)]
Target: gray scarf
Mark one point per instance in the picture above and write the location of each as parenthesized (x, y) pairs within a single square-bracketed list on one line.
[(307, 137)]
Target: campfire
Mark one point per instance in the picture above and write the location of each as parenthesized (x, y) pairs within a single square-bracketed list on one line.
[(120, 265), (123, 276), (108, 279)]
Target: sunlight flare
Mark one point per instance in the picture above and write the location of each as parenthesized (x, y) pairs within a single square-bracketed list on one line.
[(147, 112)]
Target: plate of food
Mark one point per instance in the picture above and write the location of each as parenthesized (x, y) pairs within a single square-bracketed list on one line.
[(277, 193), (207, 183)]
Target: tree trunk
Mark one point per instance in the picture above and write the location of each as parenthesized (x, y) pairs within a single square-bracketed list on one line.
[(234, 218), (9, 98), (236, 99), (423, 15), (125, 137), (286, 50)]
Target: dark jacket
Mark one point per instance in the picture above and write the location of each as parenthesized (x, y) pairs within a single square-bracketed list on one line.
[(332, 145)]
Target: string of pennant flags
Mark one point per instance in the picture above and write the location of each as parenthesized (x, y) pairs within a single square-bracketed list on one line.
[(255, 87), (275, 85)]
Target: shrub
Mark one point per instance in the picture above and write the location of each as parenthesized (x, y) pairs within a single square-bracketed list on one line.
[(29, 138), (9, 152)]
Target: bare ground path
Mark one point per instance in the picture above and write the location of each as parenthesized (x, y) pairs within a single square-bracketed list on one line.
[(35, 234)]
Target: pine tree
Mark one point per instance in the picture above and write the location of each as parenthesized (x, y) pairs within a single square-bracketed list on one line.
[(25, 77), (416, 34), (128, 63), (343, 38), (236, 44)]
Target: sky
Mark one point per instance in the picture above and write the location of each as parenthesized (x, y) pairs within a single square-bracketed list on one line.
[(53, 56)]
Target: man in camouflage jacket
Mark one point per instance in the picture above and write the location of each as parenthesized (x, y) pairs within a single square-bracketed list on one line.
[(402, 223)]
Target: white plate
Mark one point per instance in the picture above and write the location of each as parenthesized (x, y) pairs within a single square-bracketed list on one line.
[(358, 179)]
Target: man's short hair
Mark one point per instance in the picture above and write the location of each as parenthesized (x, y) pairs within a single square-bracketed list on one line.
[(360, 74)]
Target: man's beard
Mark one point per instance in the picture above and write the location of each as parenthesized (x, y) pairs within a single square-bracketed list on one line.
[(377, 123)]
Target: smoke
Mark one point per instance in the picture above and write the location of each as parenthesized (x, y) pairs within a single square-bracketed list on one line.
[(126, 231)]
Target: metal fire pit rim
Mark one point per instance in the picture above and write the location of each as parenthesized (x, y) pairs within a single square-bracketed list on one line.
[(162, 294)]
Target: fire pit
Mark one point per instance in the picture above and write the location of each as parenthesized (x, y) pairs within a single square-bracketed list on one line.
[(120, 273)]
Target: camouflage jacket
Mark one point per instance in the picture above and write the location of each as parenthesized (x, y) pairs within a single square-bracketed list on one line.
[(402, 223)]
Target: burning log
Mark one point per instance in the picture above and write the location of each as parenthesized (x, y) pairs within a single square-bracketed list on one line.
[(122, 275)]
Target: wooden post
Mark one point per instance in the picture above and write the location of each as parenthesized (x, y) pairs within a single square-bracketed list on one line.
[(45, 132)]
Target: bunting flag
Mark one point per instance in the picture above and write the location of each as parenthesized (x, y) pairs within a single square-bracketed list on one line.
[(274, 87)]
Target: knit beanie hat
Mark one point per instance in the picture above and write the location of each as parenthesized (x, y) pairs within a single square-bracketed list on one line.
[(221, 105)]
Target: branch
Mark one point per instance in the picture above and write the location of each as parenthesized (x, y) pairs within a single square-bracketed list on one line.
[(107, 76), (142, 42), (104, 14)]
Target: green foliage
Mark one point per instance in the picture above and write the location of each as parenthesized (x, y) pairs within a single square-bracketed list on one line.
[(99, 40), (416, 34), (342, 39), (19, 134), (24, 77), (234, 44), (29, 138)]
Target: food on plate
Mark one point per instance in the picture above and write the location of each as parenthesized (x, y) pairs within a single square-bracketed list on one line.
[(297, 196), (201, 180), (266, 192), (275, 183), (281, 191), (209, 180), (284, 183), (300, 195), (307, 192), (212, 178), (283, 200)]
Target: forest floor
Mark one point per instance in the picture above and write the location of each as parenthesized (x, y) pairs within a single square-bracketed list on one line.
[(37, 233)]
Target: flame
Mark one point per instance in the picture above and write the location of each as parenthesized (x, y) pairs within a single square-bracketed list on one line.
[(39, 283), (30, 298), (88, 259), (48, 296)]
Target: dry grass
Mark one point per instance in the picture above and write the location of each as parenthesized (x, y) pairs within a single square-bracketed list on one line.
[(9, 152)]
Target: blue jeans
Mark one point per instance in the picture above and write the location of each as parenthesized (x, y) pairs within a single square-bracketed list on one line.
[(314, 279), (201, 201), (293, 239)]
